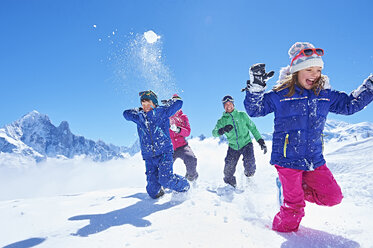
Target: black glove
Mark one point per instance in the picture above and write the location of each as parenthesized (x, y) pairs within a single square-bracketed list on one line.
[(262, 145), (258, 78), (167, 102), (225, 129)]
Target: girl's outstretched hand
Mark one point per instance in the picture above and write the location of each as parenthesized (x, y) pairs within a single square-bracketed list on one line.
[(258, 78)]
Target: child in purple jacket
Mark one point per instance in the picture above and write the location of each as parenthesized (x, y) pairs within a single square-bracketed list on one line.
[(156, 148), (301, 102)]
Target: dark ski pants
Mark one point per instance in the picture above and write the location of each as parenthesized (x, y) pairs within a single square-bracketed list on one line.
[(231, 161), (159, 172), (186, 154), (317, 186)]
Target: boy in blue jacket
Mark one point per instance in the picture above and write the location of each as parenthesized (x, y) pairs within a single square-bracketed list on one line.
[(156, 148), (301, 102)]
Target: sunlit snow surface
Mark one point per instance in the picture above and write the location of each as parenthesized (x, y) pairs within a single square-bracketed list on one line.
[(79, 203)]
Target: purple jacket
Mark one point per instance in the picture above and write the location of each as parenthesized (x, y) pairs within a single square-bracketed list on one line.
[(299, 121), (153, 128)]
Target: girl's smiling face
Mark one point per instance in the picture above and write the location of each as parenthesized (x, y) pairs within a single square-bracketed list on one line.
[(307, 77)]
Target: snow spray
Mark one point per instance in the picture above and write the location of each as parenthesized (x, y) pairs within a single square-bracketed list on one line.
[(139, 65)]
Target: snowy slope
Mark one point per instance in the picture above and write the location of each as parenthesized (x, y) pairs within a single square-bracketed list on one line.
[(337, 131), (86, 204)]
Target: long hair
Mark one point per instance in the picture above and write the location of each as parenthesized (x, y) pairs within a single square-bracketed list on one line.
[(291, 81)]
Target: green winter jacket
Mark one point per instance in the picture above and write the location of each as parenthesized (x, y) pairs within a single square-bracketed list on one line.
[(239, 136)]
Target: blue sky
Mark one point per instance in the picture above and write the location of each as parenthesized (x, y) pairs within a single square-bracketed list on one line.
[(54, 60)]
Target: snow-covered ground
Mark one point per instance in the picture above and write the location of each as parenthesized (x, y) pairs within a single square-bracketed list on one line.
[(78, 203)]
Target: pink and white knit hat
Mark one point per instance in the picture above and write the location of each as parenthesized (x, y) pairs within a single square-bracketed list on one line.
[(303, 62)]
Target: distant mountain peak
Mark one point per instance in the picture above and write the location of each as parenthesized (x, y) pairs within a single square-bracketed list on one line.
[(34, 112), (33, 117), (35, 135), (64, 127)]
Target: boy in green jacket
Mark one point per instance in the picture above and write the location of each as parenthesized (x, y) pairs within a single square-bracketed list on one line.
[(236, 126)]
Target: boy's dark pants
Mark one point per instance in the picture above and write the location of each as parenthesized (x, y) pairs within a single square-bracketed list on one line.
[(186, 154), (159, 172), (231, 161)]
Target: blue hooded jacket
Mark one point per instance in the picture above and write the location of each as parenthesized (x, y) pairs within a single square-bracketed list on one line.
[(300, 119), (153, 128)]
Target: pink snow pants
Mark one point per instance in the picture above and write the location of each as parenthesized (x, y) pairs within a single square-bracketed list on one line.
[(318, 186)]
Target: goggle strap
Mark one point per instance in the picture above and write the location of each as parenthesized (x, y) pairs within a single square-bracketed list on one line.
[(227, 100), (148, 93)]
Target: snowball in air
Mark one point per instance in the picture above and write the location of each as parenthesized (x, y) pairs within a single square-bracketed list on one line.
[(151, 37)]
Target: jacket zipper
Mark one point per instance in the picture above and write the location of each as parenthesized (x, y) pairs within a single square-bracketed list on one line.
[(235, 130), (150, 133), (286, 143), (308, 120)]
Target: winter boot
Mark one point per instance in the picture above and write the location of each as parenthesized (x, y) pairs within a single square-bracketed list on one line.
[(231, 181), (280, 194), (186, 188), (191, 178), (160, 193), (249, 174)]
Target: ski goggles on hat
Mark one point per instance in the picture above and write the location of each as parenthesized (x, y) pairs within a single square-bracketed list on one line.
[(307, 52), (147, 93), (227, 99)]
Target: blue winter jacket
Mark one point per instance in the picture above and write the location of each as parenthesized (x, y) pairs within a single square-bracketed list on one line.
[(153, 128), (299, 121)]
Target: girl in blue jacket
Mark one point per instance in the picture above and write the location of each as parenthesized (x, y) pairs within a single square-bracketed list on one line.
[(156, 148), (301, 102)]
